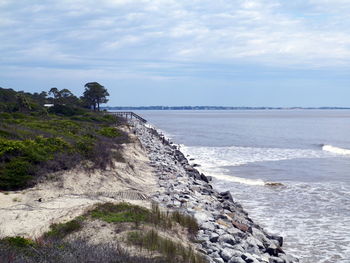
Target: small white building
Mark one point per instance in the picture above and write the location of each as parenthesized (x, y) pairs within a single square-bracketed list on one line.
[(48, 105)]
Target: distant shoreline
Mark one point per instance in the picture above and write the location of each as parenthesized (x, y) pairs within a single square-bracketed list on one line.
[(162, 108)]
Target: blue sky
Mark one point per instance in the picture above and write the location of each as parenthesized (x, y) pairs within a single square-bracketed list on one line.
[(174, 52)]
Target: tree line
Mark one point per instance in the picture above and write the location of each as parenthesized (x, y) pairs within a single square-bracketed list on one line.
[(94, 95)]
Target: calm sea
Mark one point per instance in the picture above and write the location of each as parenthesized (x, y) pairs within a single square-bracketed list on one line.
[(305, 150)]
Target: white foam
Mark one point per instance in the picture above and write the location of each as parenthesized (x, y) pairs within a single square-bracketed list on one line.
[(213, 160), (336, 150), (210, 157), (241, 180)]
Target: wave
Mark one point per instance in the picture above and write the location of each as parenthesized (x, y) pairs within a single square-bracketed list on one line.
[(215, 161), (336, 150), (210, 157)]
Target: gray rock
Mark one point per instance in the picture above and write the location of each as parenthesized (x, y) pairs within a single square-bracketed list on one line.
[(236, 260), (228, 253), (219, 260), (208, 225), (229, 239), (276, 260), (249, 258), (214, 237)]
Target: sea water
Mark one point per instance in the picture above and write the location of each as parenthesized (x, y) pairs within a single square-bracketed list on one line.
[(306, 151)]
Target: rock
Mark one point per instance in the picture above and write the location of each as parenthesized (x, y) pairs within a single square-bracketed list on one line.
[(227, 239), (240, 226), (274, 250), (226, 231), (253, 242), (201, 217), (214, 237), (227, 196), (250, 259), (204, 178), (218, 260), (276, 260), (208, 225), (228, 253), (236, 260), (279, 239), (273, 184)]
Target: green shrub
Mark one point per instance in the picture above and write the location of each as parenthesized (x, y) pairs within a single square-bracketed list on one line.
[(15, 174), (59, 231), (125, 212), (66, 110), (110, 132), (18, 242), (40, 139), (122, 212)]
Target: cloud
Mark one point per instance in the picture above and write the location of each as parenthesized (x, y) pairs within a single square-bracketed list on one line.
[(86, 34)]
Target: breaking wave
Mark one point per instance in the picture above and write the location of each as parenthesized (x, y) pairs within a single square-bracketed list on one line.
[(214, 161), (336, 150)]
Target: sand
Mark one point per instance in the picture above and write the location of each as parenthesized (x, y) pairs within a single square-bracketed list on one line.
[(62, 199)]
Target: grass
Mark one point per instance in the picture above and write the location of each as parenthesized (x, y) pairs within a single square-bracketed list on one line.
[(18, 242), (35, 144), (125, 212), (19, 250), (52, 247), (171, 251), (59, 231), (186, 221), (120, 213)]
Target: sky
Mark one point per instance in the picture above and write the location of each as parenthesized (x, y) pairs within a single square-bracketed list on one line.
[(181, 52)]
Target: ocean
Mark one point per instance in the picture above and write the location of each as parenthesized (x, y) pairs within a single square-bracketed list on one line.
[(307, 152)]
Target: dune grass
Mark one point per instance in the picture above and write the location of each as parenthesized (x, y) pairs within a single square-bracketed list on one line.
[(125, 212), (172, 251)]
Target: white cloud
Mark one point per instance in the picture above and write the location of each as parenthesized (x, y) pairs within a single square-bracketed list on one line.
[(268, 32)]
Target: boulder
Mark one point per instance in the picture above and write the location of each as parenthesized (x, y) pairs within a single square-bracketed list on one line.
[(227, 196), (229, 239), (214, 237), (236, 260), (228, 253)]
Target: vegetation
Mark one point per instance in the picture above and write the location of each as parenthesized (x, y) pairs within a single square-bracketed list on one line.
[(170, 250), (58, 251), (125, 212), (94, 95), (59, 231), (35, 141), (53, 246), (18, 242)]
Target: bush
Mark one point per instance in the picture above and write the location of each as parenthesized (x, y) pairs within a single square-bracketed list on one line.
[(122, 212), (43, 142), (15, 174), (125, 212), (77, 251), (109, 132), (59, 231), (65, 110), (19, 158), (17, 242)]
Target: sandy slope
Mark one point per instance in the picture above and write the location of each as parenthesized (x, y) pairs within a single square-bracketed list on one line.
[(67, 197)]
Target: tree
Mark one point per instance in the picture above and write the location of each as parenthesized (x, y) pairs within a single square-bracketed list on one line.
[(95, 94), (63, 97), (40, 98), (23, 103), (56, 95)]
